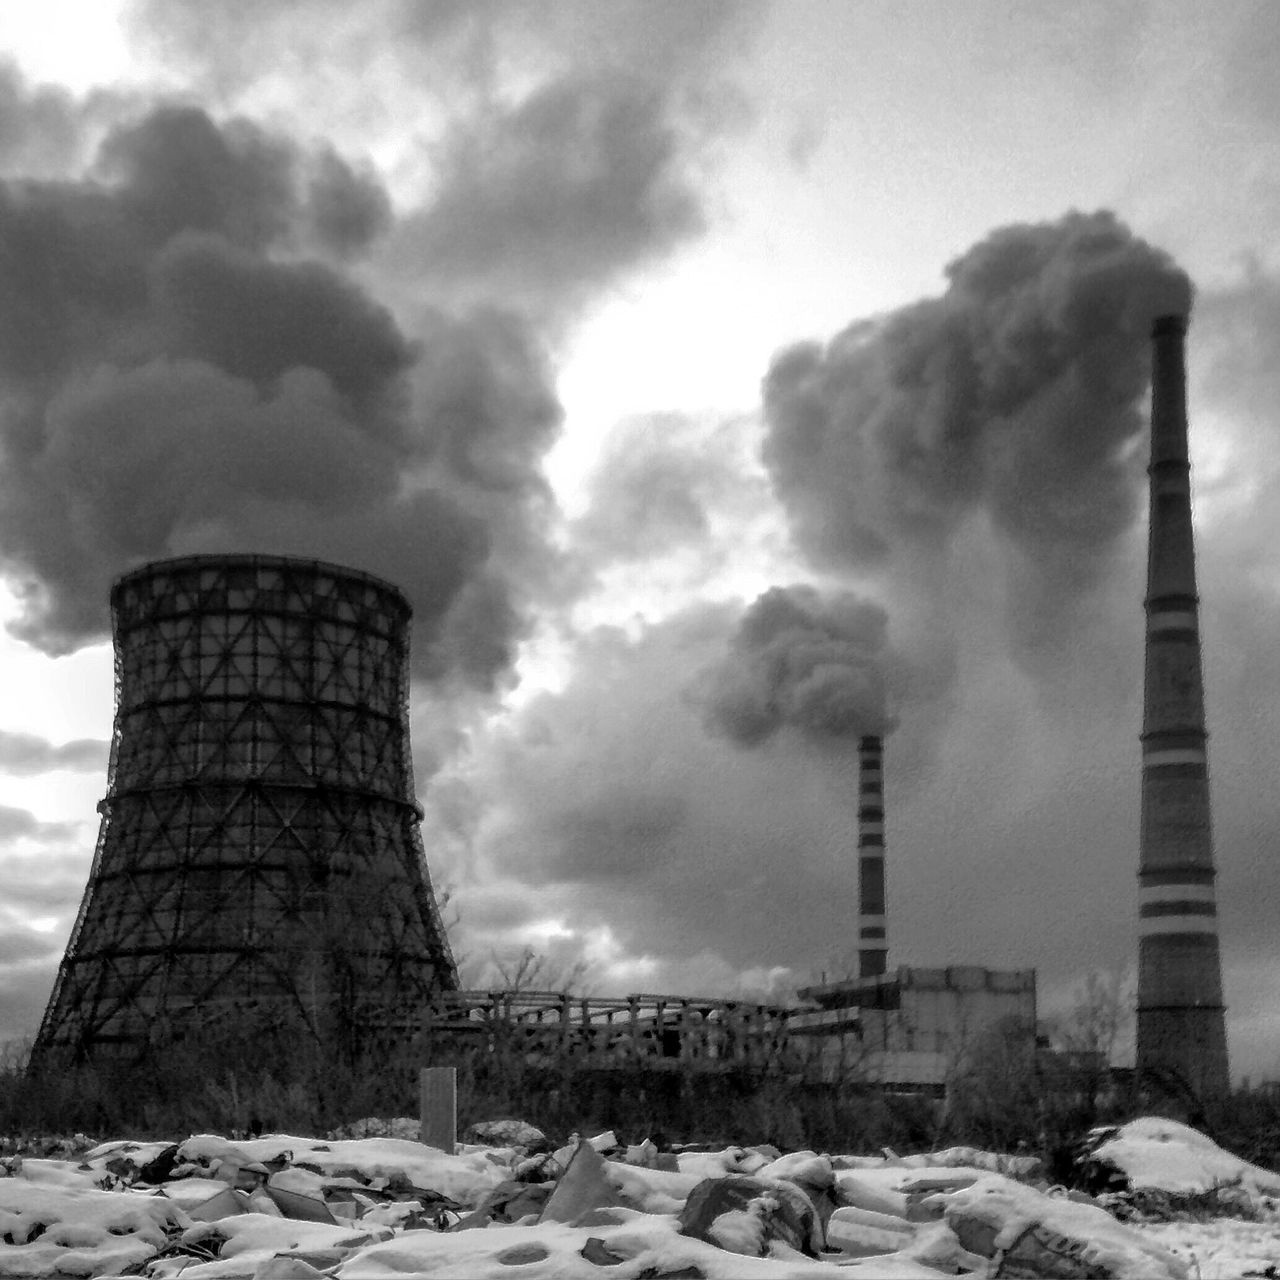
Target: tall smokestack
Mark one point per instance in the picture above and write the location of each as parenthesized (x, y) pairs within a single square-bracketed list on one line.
[(873, 948), (1181, 1034)]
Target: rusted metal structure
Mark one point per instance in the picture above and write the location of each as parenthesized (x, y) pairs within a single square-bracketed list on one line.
[(1181, 1031), (259, 849), (634, 1032)]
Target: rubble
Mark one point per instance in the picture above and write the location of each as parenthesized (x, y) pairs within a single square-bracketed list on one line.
[(1153, 1154), (283, 1207), (507, 1133), (1027, 1233)]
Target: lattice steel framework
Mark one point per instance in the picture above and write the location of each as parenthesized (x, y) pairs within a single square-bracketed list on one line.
[(259, 845)]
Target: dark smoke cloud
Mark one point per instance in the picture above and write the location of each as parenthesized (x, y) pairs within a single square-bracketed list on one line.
[(217, 337), (561, 144), (177, 378), (176, 170), (1015, 395), (22, 755), (800, 660), (257, 320)]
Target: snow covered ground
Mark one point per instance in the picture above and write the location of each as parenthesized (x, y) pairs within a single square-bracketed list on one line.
[(284, 1207)]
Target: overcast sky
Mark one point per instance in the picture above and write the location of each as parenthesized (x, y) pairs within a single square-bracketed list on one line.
[(719, 382)]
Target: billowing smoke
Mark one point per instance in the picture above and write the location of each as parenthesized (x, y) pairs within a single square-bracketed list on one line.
[(560, 143), (803, 661), (214, 336), (1014, 396), (184, 369)]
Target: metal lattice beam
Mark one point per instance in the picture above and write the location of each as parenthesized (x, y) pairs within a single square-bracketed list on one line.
[(259, 839)]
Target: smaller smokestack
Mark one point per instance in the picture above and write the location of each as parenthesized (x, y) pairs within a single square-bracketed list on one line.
[(873, 949)]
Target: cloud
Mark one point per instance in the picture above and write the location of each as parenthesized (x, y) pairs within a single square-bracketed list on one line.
[(39, 125), (25, 982), (547, 201), (667, 482), (608, 806), (258, 319), (1015, 396), (18, 823), (220, 337), (468, 46), (180, 380), (23, 755), (557, 147)]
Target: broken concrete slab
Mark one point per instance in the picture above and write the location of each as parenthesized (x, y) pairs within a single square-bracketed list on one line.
[(866, 1233), (583, 1186)]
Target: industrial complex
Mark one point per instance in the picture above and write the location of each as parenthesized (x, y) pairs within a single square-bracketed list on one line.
[(259, 847)]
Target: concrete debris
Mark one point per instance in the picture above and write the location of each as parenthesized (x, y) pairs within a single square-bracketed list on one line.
[(1155, 1167), (1027, 1233), (647, 1155), (583, 1187), (507, 1133), (865, 1233), (511, 1201), (405, 1127), (283, 1207)]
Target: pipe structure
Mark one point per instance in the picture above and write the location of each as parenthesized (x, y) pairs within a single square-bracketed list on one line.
[(873, 947), (1181, 1025)]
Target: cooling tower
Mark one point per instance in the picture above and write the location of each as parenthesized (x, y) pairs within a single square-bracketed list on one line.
[(1181, 1032), (873, 946), (259, 849)]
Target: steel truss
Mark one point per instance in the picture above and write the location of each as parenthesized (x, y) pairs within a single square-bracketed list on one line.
[(259, 844)]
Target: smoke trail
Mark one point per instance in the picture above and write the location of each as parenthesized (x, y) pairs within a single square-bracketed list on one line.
[(801, 661), (1015, 394), (177, 378)]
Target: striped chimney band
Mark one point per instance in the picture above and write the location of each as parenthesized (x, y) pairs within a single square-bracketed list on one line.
[(1174, 747), (1177, 900), (1173, 617)]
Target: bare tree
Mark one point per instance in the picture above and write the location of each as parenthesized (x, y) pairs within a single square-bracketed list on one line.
[(532, 970)]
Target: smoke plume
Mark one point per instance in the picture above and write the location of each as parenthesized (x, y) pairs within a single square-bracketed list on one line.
[(187, 367), (1015, 395), (801, 661)]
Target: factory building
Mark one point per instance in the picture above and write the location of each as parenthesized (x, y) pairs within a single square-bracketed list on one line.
[(908, 1029), (912, 1029)]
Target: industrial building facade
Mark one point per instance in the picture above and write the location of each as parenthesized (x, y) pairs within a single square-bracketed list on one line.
[(912, 1029), (259, 845)]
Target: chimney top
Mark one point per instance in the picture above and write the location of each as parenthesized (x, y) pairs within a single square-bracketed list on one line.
[(1162, 325)]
